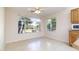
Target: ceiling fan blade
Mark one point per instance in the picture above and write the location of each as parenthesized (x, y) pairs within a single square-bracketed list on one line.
[(33, 10)]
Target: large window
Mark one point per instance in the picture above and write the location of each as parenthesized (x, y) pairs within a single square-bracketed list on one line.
[(51, 24), (28, 25)]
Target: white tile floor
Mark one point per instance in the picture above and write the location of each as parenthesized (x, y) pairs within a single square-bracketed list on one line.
[(41, 44)]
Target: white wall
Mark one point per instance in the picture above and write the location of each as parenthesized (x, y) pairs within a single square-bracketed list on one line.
[(1, 28), (11, 28), (61, 33), (63, 26)]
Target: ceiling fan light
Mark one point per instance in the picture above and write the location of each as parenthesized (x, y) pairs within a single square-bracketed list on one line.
[(37, 12)]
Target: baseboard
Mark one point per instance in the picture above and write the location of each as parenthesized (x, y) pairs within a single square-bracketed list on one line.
[(23, 40), (57, 40), (37, 38)]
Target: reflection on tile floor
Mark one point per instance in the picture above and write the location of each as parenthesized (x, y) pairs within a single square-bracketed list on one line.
[(42, 44)]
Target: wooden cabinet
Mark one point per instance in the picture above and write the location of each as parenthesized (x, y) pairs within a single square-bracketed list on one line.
[(75, 15), (73, 35)]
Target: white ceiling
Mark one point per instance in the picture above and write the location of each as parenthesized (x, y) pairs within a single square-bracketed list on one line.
[(45, 12)]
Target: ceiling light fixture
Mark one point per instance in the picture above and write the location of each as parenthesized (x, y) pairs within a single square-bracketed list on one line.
[(37, 12)]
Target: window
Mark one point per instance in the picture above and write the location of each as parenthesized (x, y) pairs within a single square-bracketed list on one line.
[(51, 24), (28, 25)]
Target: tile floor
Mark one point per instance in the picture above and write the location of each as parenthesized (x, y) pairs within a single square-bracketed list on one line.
[(40, 44)]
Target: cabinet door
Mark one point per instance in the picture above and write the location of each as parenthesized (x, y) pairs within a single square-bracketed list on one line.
[(74, 16), (73, 35), (78, 14), (71, 38)]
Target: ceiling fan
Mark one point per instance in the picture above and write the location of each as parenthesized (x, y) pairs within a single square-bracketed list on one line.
[(36, 10)]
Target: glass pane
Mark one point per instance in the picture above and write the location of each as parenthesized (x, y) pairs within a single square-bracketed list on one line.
[(28, 25), (51, 24)]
